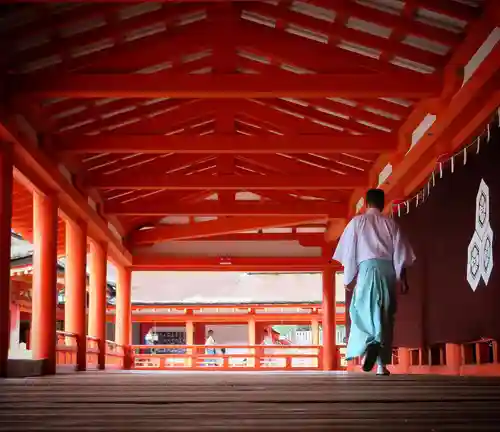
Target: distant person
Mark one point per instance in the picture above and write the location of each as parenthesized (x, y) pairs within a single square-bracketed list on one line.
[(210, 346), (375, 256)]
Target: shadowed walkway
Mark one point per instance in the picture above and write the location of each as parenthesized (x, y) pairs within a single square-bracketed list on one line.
[(134, 401)]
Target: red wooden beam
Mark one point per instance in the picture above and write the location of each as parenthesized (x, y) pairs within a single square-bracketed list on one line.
[(305, 239), (35, 168), (221, 226), (471, 107), (215, 208), (153, 262), (228, 143), (228, 182), (228, 86)]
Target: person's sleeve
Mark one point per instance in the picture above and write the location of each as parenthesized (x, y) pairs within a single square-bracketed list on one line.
[(404, 256), (345, 253)]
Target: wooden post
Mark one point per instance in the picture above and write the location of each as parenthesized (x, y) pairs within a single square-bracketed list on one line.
[(123, 333), (315, 331), (252, 337), (329, 330), (6, 173), (404, 360), (98, 298), (190, 341), (75, 310), (43, 322), (453, 358)]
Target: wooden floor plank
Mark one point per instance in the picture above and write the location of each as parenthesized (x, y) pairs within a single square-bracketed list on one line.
[(299, 401)]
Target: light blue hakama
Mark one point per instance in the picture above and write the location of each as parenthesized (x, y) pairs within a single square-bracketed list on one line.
[(372, 309)]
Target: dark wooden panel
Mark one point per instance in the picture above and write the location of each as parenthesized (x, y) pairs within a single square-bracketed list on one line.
[(189, 401)]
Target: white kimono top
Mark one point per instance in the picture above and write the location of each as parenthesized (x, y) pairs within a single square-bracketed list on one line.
[(372, 236)]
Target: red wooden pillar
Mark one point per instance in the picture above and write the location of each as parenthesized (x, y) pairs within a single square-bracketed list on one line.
[(254, 361), (98, 297), (75, 309), (43, 319), (199, 333), (123, 332), (6, 173), (329, 331)]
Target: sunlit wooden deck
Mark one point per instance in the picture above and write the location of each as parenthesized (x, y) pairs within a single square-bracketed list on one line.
[(247, 401)]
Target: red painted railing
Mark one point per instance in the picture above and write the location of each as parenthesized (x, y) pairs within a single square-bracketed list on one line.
[(236, 357), (480, 358), (66, 349)]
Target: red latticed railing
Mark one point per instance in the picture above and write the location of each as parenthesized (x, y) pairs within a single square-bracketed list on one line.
[(67, 346), (93, 350), (474, 358), (115, 354), (227, 357)]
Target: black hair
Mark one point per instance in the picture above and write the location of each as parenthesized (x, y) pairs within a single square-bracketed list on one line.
[(375, 198)]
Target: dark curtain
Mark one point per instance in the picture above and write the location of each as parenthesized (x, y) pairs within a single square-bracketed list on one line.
[(441, 305)]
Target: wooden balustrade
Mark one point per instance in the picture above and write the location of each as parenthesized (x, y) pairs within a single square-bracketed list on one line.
[(67, 344), (479, 358), (236, 357)]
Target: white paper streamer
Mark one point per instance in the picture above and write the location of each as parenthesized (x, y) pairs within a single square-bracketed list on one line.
[(465, 155), (488, 133), (399, 210), (418, 196), (428, 188), (440, 169), (478, 142), (407, 207), (452, 163), (433, 179)]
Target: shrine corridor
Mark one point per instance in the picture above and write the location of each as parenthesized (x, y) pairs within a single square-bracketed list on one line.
[(133, 401)]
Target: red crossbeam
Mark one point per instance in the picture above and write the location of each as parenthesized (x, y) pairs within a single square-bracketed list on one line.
[(228, 143), (229, 86)]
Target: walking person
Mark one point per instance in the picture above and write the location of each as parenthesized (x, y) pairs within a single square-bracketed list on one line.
[(210, 348), (374, 254)]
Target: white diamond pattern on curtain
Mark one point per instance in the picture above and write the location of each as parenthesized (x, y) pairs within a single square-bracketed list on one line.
[(480, 250)]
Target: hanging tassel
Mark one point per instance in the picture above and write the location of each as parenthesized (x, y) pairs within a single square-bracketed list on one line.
[(488, 133), (478, 142), (433, 179), (452, 163), (399, 210), (407, 207), (465, 155)]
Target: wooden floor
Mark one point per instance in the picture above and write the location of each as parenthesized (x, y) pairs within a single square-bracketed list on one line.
[(299, 401)]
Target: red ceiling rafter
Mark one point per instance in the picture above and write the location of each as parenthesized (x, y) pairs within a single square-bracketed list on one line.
[(287, 45), (374, 111), (337, 32), (116, 32), (403, 23)]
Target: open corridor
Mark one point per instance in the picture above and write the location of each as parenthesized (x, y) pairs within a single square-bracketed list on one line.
[(181, 401)]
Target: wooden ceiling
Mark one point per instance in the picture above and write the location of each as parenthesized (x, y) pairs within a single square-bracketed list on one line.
[(234, 121)]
